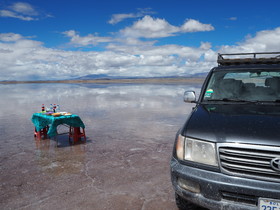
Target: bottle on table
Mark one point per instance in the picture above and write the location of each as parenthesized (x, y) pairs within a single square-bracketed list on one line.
[(57, 108), (51, 108), (54, 108), (43, 107)]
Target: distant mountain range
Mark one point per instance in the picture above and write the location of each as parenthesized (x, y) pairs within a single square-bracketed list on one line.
[(108, 77)]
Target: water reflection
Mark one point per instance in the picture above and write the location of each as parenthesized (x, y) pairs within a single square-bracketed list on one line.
[(122, 104), (36, 94), (70, 161), (126, 111)]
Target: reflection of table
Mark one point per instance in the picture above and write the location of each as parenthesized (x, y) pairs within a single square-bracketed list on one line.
[(41, 120)]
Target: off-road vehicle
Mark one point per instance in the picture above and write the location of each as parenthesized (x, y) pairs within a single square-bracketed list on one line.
[(227, 154)]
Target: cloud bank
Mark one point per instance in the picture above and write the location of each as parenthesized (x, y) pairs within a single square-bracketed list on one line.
[(149, 27), (24, 58)]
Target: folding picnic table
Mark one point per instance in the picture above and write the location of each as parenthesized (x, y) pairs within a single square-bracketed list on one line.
[(42, 121)]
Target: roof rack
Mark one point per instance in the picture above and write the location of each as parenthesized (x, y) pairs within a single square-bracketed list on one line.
[(242, 58)]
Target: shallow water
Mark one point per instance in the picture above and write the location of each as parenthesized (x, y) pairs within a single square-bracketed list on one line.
[(124, 164)]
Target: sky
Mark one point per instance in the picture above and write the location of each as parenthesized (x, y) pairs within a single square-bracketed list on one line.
[(67, 39)]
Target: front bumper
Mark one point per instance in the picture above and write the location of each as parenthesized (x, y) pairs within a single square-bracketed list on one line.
[(220, 191)]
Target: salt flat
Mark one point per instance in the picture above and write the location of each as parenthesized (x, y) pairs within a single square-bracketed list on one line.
[(124, 164)]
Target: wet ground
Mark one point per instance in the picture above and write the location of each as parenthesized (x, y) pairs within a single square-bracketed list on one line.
[(123, 165)]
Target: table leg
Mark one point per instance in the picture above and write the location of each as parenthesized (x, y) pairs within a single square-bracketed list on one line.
[(76, 134), (41, 133)]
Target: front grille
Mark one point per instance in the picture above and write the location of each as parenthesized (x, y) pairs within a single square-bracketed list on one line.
[(253, 161), (241, 198)]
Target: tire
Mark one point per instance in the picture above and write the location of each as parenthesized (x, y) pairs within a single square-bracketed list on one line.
[(182, 204)]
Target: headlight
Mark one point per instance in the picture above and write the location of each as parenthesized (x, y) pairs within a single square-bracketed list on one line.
[(196, 151)]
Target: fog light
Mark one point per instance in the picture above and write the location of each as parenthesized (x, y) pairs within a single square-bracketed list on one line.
[(189, 185)]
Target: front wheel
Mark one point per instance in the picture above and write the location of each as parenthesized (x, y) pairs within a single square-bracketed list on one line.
[(182, 204)]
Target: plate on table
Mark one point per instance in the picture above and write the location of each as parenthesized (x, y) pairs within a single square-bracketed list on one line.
[(56, 114), (63, 113)]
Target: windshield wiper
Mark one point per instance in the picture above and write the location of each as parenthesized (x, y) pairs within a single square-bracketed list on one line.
[(242, 101), (228, 100), (273, 101)]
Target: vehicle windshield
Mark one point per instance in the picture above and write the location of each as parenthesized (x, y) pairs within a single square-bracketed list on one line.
[(230, 85)]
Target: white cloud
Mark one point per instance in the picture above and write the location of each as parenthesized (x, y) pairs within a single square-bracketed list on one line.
[(21, 10), (264, 41), (88, 40), (23, 58), (116, 18), (195, 26), (205, 45), (24, 8), (149, 27), (129, 41), (11, 14), (27, 59), (10, 37)]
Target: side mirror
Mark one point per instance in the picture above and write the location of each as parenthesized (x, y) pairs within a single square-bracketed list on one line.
[(189, 96)]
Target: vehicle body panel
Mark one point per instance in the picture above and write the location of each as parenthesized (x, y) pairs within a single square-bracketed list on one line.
[(257, 124)]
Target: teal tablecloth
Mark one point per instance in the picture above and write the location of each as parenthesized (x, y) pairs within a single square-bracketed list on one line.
[(42, 120)]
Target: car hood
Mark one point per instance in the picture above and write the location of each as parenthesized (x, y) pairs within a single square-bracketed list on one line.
[(241, 123)]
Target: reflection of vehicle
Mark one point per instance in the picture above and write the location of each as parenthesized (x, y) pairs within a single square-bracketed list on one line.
[(227, 154)]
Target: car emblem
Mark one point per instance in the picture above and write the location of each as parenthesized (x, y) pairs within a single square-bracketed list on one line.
[(275, 164)]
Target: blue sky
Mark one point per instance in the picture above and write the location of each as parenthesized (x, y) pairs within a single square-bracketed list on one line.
[(62, 39)]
